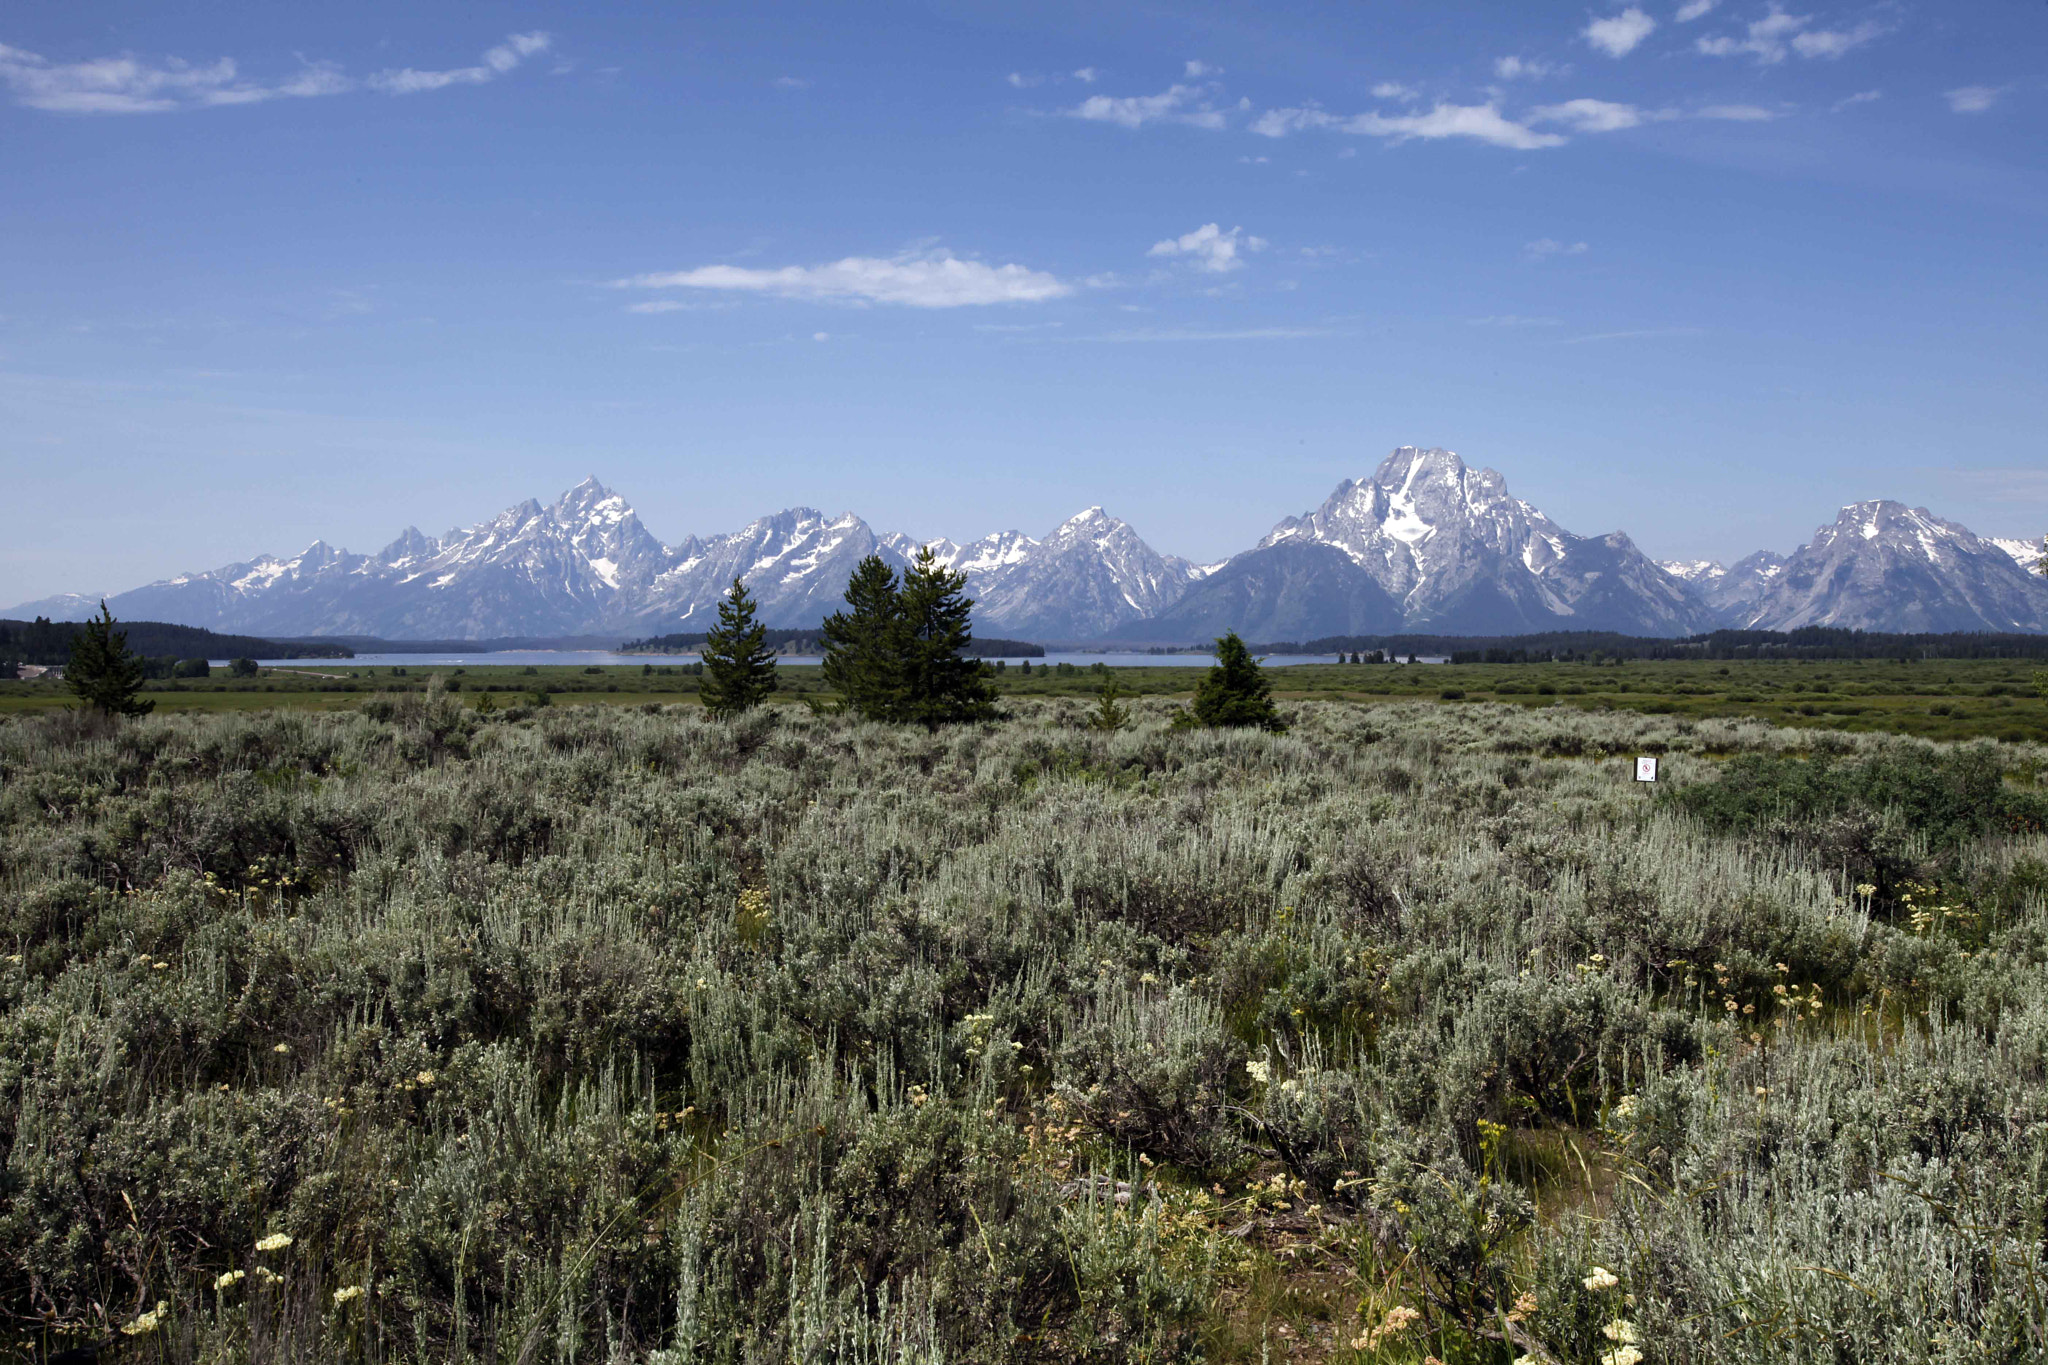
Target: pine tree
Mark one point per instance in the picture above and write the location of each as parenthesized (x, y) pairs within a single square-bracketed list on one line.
[(1109, 717), (1236, 692), (941, 684), (739, 668), (864, 643), (104, 674)]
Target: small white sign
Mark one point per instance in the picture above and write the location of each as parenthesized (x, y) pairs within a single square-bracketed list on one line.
[(1646, 769)]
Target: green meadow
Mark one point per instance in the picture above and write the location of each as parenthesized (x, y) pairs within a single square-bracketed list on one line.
[(375, 1027), (1962, 699)]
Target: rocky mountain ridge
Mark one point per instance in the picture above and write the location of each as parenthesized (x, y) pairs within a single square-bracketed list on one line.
[(1425, 543)]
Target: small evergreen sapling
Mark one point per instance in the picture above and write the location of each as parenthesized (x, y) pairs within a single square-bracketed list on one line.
[(739, 668), (102, 672), (1109, 717), (1236, 693)]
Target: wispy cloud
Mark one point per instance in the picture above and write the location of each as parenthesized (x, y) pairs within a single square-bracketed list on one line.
[(1861, 97), (1515, 320), (791, 83), (1590, 116), (1188, 104), (1695, 9), (1197, 69), (1209, 248), (1087, 75), (1641, 334), (132, 85), (1482, 122), (1738, 113), (496, 61), (1549, 248), (1221, 334), (1972, 99), (1512, 68), (1779, 34), (1620, 34), (1394, 90), (929, 279)]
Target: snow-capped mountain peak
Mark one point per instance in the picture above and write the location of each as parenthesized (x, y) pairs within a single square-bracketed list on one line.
[(2027, 553), (1423, 543), (1694, 570), (1436, 535), (1885, 566)]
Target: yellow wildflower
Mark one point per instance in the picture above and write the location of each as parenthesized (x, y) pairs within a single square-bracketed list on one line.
[(230, 1279), (148, 1322), (1600, 1280), (276, 1241)]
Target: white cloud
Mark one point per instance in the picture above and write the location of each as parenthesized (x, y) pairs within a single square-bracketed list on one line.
[(1512, 68), (1771, 38), (496, 62), (1086, 75), (1695, 9), (1738, 113), (821, 336), (1394, 90), (1187, 104), (1210, 248), (1022, 81), (1479, 121), (930, 279), (791, 83), (1197, 69), (1645, 334), (1201, 334), (1545, 248), (1619, 34), (1972, 99), (1516, 320), (130, 85), (1835, 42), (1862, 97), (1590, 116)]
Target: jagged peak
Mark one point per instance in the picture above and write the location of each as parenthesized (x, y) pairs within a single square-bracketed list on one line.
[(409, 543), (1408, 463)]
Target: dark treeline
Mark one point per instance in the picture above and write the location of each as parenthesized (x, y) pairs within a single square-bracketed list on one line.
[(812, 641), (371, 644), (1594, 646), (43, 641)]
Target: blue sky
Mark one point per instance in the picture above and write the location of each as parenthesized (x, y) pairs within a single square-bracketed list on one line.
[(1702, 272)]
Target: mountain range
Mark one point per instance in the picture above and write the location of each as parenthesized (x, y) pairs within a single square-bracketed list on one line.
[(1424, 544)]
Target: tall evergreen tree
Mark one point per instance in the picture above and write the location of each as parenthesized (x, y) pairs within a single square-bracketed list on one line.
[(102, 671), (1236, 692), (739, 668), (940, 683), (864, 643)]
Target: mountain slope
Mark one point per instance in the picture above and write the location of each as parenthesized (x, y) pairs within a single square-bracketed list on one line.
[(1885, 566), (1455, 554), (1423, 544), (1090, 577), (1295, 590)]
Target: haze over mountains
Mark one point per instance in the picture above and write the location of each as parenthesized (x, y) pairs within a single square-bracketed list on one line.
[(1424, 544)]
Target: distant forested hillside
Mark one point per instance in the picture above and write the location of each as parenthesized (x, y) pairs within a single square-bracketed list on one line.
[(810, 642), (1592, 646), (43, 641)]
